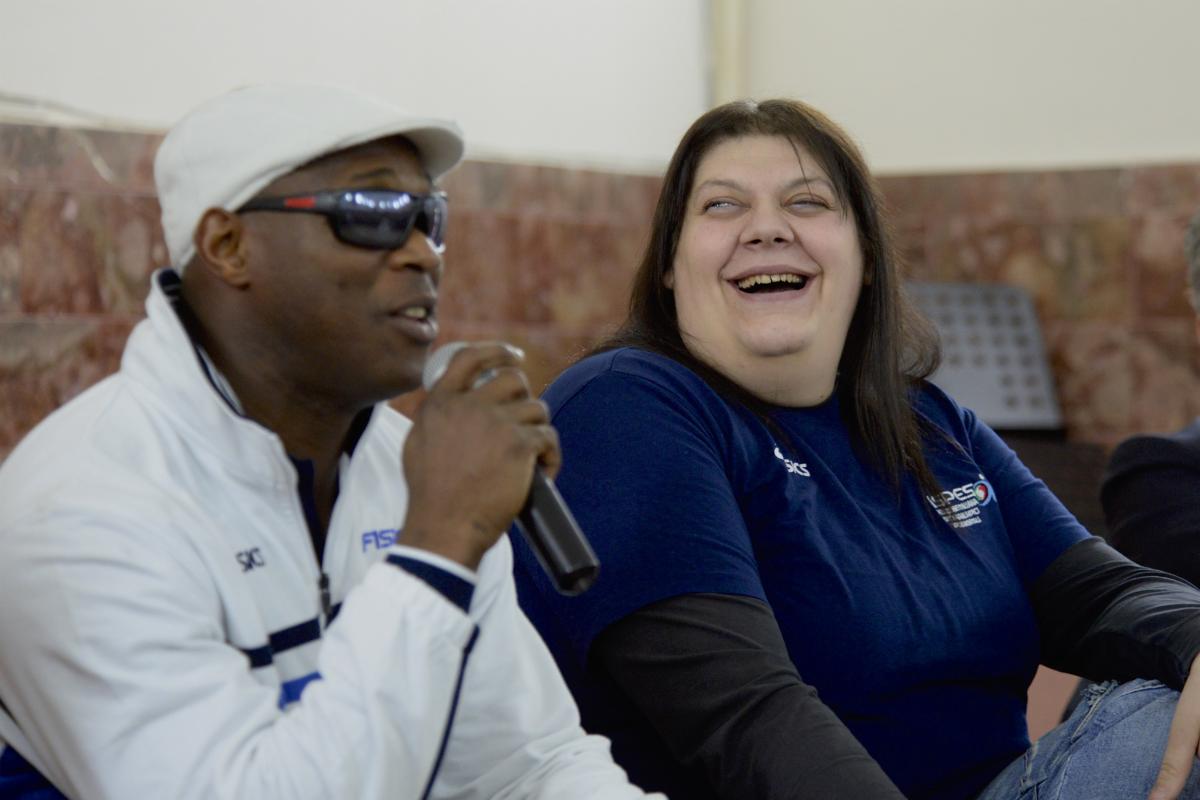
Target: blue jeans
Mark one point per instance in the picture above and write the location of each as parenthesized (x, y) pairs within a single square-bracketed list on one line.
[(1109, 749)]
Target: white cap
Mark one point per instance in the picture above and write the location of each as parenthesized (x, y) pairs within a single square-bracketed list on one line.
[(225, 151)]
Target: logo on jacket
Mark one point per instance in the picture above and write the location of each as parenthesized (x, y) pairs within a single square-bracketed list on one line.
[(793, 467), (380, 539), (960, 506), (249, 559)]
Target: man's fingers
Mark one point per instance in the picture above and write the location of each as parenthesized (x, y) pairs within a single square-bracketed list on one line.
[(503, 384), (530, 411), (549, 452), (473, 360)]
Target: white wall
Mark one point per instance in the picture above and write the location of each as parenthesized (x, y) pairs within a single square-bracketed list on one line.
[(923, 84), (989, 84), (592, 82)]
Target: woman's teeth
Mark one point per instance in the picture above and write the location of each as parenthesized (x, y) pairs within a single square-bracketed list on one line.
[(782, 281)]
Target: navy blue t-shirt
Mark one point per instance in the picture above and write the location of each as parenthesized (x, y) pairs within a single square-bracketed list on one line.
[(916, 630)]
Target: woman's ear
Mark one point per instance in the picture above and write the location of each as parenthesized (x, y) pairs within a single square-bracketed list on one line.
[(220, 243), (669, 279)]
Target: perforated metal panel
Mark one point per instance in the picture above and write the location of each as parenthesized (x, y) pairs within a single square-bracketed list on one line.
[(993, 355)]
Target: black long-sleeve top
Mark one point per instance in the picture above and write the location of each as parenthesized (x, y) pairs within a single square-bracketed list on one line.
[(712, 676)]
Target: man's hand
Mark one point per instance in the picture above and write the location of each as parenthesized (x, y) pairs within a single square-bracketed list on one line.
[(1183, 740), (470, 456)]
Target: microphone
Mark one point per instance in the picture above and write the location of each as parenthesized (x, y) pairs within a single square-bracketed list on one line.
[(544, 521)]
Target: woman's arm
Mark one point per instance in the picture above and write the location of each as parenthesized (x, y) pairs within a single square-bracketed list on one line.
[(1103, 616), (712, 675), (1099, 614)]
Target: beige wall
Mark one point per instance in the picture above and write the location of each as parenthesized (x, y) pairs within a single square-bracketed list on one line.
[(938, 85), (925, 85), (604, 82)]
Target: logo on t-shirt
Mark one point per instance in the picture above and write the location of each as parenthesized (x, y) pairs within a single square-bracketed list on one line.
[(961, 506), (793, 467)]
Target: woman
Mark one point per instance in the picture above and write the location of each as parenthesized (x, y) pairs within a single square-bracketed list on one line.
[(783, 506)]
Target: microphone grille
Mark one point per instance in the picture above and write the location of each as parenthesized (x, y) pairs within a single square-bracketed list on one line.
[(435, 367)]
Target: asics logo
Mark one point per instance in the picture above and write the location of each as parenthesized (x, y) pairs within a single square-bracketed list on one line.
[(793, 467)]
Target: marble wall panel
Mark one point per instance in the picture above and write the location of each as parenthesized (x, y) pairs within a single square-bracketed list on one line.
[(1092, 368), (78, 158), (1078, 270), (475, 282), (55, 261), (537, 269), (575, 194), (1150, 188), (12, 205), (1041, 197), (1157, 266), (1164, 359), (911, 240), (543, 256), (81, 251), (1114, 381), (1066, 196), (46, 361)]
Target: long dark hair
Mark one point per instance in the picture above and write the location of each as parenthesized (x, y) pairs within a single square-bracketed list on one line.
[(889, 348)]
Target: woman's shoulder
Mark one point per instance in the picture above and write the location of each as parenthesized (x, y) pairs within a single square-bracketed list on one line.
[(948, 419), (932, 402), (631, 373)]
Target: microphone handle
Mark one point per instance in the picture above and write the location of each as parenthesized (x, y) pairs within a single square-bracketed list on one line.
[(555, 537)]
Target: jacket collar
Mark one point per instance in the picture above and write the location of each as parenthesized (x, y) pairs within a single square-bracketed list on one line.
[(174, 375)]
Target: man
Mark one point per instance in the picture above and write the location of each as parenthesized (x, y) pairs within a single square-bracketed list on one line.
[(1151, 490), (215, 582)]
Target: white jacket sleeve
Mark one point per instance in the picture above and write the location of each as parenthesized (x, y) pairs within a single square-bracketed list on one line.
[(516, 733), (115, 668), (114, 664)]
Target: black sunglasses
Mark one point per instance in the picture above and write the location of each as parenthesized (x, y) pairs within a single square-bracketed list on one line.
[(374, 218)]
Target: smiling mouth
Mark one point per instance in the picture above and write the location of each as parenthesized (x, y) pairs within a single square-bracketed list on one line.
[(415, 312), (762, 284), (418, 322), (418, 309)]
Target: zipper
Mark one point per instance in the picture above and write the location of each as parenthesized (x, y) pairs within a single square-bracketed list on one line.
[(326, 602), (308, 516)]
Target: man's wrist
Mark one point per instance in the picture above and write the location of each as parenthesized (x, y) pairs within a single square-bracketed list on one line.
[(458, 546), (400, 548)]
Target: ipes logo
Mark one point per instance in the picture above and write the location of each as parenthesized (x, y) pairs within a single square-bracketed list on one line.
[(978, 493), (983, 491), (794, 467), (960, 506)]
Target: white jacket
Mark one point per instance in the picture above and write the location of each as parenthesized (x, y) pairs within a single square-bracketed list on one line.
[(160, 614)]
